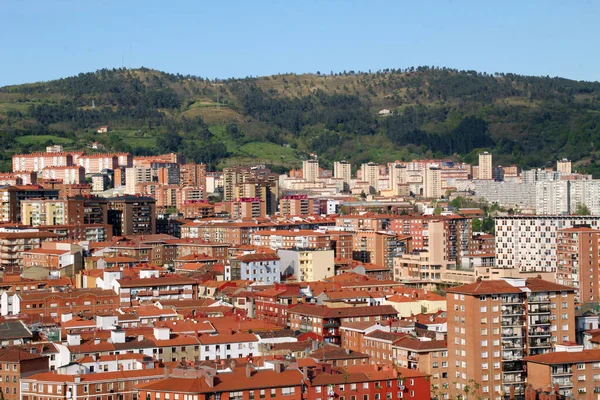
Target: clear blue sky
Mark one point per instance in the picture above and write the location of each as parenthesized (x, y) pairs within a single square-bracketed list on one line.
[(47, 39)]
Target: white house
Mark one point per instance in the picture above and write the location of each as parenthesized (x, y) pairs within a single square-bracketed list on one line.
[(222, 346), (258, 267)]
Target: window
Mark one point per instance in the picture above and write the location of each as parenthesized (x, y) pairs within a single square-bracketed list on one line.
[(98, 387), (484, 354), (484, 332), (580, 366), (236, 395), (273, 392), (288, 391)]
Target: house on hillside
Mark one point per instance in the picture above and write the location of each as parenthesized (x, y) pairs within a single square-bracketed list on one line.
[(103, 129)]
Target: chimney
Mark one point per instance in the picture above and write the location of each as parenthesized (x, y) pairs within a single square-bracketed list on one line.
[(248, 371), (73, 339)]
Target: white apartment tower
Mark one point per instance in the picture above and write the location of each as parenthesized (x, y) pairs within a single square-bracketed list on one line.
[(564, 166), (135, 175), (529, 242), (397, 176), (342, 170), (370, 174), (485, 170), (432, 182), (310, 170)]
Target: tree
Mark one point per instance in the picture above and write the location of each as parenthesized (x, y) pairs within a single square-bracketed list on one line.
[(476, 225), (169, 142), (582, 209)]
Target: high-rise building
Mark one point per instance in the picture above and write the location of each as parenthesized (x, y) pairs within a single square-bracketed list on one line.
[(398, 179), (493, 325), (343, 170), (564, 166), (432, 182), (485, 170), (192, 174), (310, 170), (135, 175), (370, 174), (578, 261), (132, 215), (529, 242)]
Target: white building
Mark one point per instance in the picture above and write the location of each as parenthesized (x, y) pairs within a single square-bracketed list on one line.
[(310, 170), (370, 173), (529, 242), (563, 197), (222, 346), (135, 175), (259, 267)]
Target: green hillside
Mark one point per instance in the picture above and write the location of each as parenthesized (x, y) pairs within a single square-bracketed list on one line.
[(279, 120)]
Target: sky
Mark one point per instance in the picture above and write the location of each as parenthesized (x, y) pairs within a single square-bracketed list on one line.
[(47, 39)]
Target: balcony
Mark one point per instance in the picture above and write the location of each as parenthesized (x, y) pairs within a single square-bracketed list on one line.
[(507, 321), (540, 343), (511, 333), (511, 300), (534, 309), (539, 321), (562, 382), (562, 371), (512, 367), (512, 355), (512, 310), (538, 299), (513, 378), (539, 331), (512, 344)]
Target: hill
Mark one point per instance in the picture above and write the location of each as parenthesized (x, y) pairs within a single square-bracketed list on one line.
[(280, 119)]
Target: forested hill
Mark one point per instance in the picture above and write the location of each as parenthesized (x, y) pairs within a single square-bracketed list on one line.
[(280, 119)]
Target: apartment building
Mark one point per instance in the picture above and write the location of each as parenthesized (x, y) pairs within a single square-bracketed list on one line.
[(136, 175), (529, 242), (398, 179), (51, 303), (563, 166), (493, 325), (296, 204), (427, 356), (132, 215), (510, 194), (432, 182), (36, 162), (576, 373), (14, 243), (192, 174), (578, 263), (343, 170), (119, 385), (243, 208), (376, 248), (173, 287), (16, 365), (307, 265), (325, 321), (96, 163), (12, 196), (485, 170), (310, 170), (369, 173), (224, 346), (259, 267), (272, 304), (564, 196), (69, 175)]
